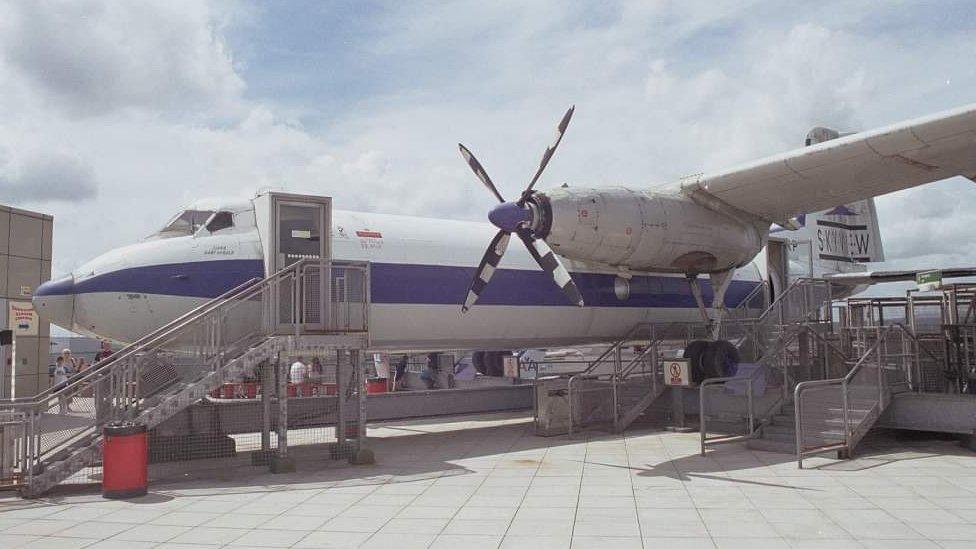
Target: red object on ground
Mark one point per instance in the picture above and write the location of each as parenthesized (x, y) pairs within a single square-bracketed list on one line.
[(308, 388), (125, 456), (375, 385), (251, 390), (329, 389), (228, 390)]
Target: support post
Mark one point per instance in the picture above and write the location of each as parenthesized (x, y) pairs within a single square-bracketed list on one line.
[(342, 376), (678, 423), (267, 390), (280, 461), (360, 455), (614, 387)]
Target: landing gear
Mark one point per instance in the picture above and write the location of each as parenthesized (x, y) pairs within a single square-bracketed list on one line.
[(489, 363), (711, 359), (720, 284)]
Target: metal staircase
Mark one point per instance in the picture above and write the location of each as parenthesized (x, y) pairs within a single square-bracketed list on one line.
[(783, 342), (57, 433), (835, 414), (611, 393)]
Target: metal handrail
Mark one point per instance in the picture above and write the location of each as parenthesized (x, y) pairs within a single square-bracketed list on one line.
[(126, 351), (120, 371), (843, 383), (750, 403), (164, 330), (702, 412), (625, 372)]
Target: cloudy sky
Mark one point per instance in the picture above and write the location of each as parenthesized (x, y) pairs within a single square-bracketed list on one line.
[(115, 114)]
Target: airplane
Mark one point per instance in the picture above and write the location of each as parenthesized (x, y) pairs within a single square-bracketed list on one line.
[(611, 257)]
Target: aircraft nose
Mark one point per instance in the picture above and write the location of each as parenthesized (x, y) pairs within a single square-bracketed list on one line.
[(54, 301)]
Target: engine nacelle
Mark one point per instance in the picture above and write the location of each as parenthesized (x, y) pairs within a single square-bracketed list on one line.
[(643, 231)]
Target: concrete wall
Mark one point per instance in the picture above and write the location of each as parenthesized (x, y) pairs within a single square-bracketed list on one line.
[(25, 262)]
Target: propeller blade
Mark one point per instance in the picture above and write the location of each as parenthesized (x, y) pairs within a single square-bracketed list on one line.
[(560, 130), (494, 253), (550, 263), (479, 171)]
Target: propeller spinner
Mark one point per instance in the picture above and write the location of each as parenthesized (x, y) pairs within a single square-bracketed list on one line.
[(516, 217)]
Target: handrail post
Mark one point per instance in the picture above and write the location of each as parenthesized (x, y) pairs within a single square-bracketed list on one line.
[(702, 416), (613, 386), (847, 417), (569, 397), (797, 415), (749, 398)]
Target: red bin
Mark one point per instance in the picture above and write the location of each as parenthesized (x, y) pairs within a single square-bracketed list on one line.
[(250, 390), (228, 390), (375, 385), (329, 388), (125, 456)]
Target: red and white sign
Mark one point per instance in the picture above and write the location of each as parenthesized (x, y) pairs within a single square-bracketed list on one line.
[(369, 234), (676, 373), (22, 318)]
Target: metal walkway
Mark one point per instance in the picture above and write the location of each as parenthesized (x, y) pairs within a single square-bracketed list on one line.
[(46, 439)]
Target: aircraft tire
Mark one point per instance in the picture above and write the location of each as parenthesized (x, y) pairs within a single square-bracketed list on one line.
[(478, 361), (693, 352), (494, 363), (720, 359)]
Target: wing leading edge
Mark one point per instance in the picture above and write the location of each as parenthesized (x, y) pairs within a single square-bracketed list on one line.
[(854, 167)]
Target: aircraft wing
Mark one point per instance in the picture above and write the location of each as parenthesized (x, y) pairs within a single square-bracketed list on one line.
[(849, 168), (875, 277)]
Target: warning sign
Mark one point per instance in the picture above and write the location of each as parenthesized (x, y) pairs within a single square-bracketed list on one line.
[(23, 318), (676, 373)]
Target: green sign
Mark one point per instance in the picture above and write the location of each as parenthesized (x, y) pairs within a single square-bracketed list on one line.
[(928, 280)]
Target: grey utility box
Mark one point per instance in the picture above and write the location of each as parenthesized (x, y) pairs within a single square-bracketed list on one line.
[(551, 406)]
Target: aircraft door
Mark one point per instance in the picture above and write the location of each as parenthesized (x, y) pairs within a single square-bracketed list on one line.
[(799, 260), (302, 233)]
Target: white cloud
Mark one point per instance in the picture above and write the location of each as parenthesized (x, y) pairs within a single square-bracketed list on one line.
[(90, 58), (48, 178), (149, 101)]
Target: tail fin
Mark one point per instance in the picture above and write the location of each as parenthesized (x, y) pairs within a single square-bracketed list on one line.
[(838, 240)]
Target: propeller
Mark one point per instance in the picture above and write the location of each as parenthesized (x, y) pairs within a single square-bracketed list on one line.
[(516, 217)]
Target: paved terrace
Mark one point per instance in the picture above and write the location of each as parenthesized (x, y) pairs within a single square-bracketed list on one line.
[(486, 481)]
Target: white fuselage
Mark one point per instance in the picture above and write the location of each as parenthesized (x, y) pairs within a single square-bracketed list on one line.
[(420, 270)]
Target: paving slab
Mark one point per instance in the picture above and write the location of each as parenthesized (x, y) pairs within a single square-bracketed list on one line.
[(487, 481)]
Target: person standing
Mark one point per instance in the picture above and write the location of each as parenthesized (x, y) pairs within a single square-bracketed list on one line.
[(298, 372), (431, 371), (70, 362), (105, 352), (60, 382), (400, 373)]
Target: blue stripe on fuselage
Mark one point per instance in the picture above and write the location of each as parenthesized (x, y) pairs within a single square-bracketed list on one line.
[(409, 283)]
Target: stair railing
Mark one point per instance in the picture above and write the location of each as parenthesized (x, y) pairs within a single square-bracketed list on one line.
[(867, 387), (751, 415), (622, 372), (182, 351)]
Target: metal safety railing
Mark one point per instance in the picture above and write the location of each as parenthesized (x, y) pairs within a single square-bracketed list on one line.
[(57, 432), (803, 353), (835, 414), (617, 397)]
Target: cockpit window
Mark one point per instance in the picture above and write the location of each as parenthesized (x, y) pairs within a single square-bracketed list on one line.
[(185, 223), (219, 221)]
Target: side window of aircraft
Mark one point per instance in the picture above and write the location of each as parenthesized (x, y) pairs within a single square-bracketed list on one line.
[(220, 221), (185, 223)]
